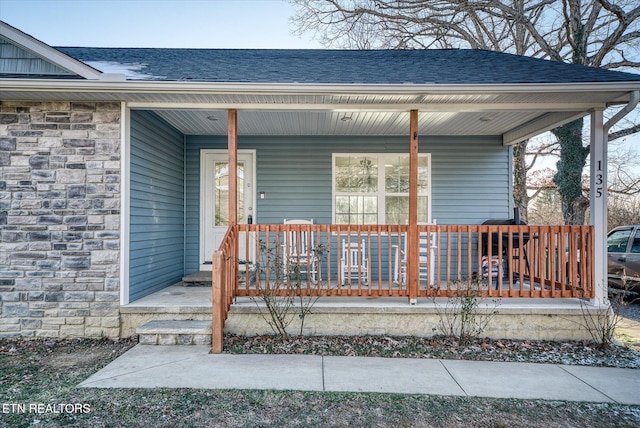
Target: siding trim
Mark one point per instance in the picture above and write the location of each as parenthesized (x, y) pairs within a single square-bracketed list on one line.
[(125, 202)]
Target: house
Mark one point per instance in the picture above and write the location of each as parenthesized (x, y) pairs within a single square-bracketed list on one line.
[(118, 179)]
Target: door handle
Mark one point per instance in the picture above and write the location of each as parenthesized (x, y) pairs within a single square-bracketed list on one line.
[(622, 259)]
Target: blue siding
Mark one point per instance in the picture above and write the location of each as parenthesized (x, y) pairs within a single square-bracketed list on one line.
[(470, 177), (156, 257), (19, 61)]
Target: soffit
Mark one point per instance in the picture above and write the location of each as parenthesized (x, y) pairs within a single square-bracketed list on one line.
[(287, 110), (255, 122)]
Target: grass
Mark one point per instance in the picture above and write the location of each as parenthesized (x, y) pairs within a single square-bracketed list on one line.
[(47, 372)]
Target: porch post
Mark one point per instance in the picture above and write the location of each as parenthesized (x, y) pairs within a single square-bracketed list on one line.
[(217, 303), (232, 125), (413, 240), (598, 203)]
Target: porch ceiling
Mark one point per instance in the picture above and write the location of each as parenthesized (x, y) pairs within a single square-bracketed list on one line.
[(252, 122)]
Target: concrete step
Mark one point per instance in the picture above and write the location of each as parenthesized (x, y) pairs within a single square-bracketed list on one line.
[(198, 279), (175, 332)]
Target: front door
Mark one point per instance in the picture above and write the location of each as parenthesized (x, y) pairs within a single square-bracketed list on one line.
[(214, 197)]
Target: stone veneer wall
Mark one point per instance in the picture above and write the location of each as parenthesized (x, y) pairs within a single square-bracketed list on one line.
[(59, 219)]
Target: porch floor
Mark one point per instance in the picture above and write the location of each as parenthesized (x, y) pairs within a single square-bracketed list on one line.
[(198, 299), (204, 279)]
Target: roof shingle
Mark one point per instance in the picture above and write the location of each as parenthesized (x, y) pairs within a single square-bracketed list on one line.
[(307, 66)]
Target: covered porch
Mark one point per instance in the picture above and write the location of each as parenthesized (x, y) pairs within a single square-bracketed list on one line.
[(280, 155), (411, 263)]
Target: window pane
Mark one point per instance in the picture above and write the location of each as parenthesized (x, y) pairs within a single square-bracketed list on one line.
[(370, 219), (397, 209), (342, 218), (342, 204), (355, 174), (423, 209), (617, 241), (221, 193), (354, 209), (423, 174), (396, 174), (370, 204), (342, 174)]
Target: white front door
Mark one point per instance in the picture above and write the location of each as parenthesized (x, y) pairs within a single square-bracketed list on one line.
[(214, 197)]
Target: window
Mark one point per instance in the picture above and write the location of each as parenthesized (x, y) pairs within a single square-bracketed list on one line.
[(635, 246), (374, 188), (617, 241), (221, 193)]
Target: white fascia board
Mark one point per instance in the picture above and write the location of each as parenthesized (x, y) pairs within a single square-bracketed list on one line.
[(539, 125), (354, 107), (48, 53), (309, 89)]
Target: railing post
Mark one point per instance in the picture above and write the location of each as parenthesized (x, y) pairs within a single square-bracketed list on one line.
[(217, 316)]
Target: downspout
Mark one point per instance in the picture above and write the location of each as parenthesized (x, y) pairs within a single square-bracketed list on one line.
[(633, 102)]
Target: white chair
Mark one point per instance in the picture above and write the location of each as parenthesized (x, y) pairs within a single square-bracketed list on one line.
[(299, 252), (354, 263), (426, 258)]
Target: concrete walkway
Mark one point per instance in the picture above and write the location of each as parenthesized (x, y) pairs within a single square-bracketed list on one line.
[(193, 367)]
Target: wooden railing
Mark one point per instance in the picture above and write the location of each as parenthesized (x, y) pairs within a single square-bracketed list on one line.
[(224, 285), (520, 261), (349, 260)]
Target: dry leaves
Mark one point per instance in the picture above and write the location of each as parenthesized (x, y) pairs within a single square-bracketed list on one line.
[(575, 352)]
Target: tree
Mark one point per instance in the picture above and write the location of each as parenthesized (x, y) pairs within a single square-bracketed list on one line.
[(596, 33), (545, 209)]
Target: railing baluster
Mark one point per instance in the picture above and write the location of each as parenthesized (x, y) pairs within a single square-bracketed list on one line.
[(553, 262), (448, 258)]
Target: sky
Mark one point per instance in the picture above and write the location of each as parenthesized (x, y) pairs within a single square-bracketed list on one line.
[(157, 23)]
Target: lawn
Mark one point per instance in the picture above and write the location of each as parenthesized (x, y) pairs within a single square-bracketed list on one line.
[(38, 381)]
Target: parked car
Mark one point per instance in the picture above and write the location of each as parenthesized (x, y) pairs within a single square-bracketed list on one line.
[(623, 257)]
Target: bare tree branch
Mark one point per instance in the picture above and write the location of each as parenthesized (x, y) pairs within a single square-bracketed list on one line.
[(623, 132)]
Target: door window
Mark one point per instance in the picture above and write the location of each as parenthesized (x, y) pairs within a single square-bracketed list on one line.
[(221, 193)]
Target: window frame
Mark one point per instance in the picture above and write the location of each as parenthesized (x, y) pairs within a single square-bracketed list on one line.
[(381, 193)]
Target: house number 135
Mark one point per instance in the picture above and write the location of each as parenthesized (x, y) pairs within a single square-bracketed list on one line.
[(599, 180)]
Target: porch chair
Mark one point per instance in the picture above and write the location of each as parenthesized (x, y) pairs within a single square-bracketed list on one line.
[(354, 263), (428, 247), (298, 251)]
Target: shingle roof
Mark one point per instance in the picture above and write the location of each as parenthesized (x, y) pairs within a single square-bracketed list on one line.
[(448, 66)]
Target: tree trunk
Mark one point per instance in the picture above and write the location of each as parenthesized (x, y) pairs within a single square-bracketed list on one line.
[(573, 156), (520, 195)]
